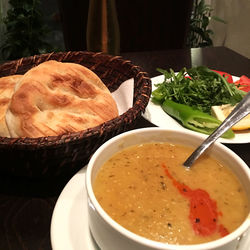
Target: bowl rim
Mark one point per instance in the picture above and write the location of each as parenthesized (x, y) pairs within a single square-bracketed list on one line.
[(147, 242)]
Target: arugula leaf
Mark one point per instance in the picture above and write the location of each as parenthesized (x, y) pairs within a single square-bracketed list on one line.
[(198, 87)]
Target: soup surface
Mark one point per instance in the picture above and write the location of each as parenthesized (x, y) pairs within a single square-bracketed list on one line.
[(146, 190)]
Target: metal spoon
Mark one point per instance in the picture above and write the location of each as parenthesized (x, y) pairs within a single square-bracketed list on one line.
[(239, 112)]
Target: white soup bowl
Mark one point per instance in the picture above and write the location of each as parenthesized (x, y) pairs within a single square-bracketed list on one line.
[(109, 235)]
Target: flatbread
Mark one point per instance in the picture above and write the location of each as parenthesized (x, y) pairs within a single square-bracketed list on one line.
[(7, 85), (54, 98)]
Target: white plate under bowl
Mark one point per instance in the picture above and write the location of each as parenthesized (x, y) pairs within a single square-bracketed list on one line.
[(158, 117), (69, 224)]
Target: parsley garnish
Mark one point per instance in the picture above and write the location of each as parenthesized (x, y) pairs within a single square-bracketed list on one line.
[(198, 87)]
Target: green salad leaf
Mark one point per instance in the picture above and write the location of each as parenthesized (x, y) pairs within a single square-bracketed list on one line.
[(198, 87)]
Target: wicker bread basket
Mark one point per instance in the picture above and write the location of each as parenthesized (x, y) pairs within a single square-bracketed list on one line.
[(58, 155)]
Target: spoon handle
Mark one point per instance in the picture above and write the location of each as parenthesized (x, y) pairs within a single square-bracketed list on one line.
[(239, 112)]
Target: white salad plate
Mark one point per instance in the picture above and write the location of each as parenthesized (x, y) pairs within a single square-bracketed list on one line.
[(158, 117), (69, 225)]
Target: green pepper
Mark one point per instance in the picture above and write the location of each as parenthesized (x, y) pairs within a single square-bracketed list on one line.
[(194, 119)]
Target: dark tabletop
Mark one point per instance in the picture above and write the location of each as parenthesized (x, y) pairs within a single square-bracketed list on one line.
[(25, 216)]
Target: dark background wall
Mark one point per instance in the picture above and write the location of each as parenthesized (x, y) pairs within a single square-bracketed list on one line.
[(144, 24)]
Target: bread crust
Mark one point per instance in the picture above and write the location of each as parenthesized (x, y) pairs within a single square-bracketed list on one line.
[(54, 98), (7, 85)]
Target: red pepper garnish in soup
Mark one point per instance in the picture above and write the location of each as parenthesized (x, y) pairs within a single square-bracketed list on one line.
[(203, 210), (167, 202)]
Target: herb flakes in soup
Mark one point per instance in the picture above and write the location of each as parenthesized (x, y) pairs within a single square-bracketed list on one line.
[(145, 189)]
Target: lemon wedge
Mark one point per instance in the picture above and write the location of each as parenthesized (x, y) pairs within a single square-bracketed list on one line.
[(221, 112)]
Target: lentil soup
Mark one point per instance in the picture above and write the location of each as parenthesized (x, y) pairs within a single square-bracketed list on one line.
[(145, 189)]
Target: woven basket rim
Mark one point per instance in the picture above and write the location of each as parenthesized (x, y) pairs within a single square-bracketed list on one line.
[(52, 141)]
